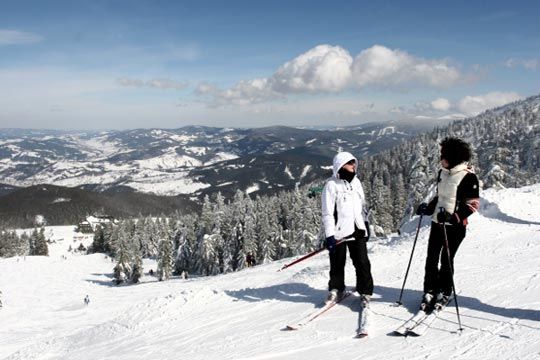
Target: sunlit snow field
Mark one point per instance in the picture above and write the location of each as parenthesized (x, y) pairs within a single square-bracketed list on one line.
[(242, 315)]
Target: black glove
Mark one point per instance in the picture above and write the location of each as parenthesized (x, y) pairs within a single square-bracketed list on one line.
[(331, 244), (422, 209), (445, 217), (368, 231)]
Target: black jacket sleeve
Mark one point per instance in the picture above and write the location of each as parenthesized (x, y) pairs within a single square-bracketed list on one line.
[(468, 196)]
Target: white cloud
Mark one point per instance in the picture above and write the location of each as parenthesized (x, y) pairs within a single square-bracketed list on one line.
[(473, 105), (530, 64), (331, 69), (383, 67), (153, 83), (13, 37), (244, 93), (441, 104), (323, 68), (444, 109)]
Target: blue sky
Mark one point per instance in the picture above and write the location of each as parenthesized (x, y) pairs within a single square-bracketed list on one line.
[(133, 64)]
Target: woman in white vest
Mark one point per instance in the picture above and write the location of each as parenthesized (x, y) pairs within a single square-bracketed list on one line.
[(343, 207), (456, 199)]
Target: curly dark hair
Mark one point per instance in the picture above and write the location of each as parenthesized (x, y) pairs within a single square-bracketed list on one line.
[(455, 151)]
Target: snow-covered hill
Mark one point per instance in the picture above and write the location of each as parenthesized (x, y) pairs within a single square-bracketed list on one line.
[(241, 315)]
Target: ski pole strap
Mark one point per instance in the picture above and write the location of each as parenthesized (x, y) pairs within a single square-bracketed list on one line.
[(307, 256)]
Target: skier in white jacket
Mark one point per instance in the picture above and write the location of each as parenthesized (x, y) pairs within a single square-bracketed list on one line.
[(343, 208)]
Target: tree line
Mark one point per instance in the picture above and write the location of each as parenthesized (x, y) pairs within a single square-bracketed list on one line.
[(13, 244)]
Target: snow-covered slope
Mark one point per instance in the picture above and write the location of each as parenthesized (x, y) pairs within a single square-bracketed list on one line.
[(241, 315)]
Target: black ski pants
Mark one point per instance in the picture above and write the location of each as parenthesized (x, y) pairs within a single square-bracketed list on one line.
[(440, 279), (358, 253)]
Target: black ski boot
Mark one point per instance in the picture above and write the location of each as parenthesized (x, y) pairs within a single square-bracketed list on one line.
[(428, 302), (334, 295), (441, 301)]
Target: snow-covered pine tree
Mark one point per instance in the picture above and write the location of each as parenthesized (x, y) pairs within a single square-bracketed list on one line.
[(307, 227), (399, 200), (223, 230), (381, 202), (285, 246), (266, 229), (41, 244), (186, 255), (249, 240), (32, 242), (122, 254), (119, 273), (11, 244), (99, 245), (23, 246), (233, 248), (165, 259), (38, 243), (137, 271)]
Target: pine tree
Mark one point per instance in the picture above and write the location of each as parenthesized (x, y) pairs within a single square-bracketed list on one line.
[(120, 273), (137, 271), (268, 230), (186, 252), (123, 255), (249, 241), (100, 245), (165, 259), (38, 243)]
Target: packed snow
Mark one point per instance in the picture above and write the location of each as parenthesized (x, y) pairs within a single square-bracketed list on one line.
[(242, 315)]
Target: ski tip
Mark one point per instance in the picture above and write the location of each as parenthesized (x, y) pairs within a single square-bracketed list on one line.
[(397, 333), (412, 333), (290, 328)]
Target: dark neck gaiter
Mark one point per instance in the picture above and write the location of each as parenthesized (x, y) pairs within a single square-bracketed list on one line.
[(345, 175)]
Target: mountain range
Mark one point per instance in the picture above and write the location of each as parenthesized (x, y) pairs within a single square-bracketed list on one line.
[(192, 160)]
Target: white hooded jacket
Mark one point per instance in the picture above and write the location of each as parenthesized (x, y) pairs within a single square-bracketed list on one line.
[(347, 199)]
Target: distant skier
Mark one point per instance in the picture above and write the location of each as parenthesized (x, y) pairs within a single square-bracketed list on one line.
[(86, 300), (184, 275), (343, 205), (250, 260), (457, 197)]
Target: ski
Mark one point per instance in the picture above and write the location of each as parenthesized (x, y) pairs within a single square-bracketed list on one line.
[(316, 313), (416, 319), (422, 327), (365, 315)]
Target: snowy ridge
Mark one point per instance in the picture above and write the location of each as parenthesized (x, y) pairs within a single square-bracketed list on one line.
[(240, 315)]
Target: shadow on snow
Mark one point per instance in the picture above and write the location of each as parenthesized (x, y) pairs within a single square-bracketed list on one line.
[(302, 293)]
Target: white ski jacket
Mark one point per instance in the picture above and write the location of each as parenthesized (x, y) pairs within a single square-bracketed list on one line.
[(344, 198)]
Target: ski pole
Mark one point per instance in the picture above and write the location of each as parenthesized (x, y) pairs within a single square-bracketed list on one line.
[(410, 260), (451, 271), (307, 256)]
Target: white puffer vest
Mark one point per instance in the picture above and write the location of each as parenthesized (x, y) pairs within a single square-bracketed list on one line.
[(447, 188)]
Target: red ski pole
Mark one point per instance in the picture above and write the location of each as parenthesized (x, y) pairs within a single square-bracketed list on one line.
[(307, 256)]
